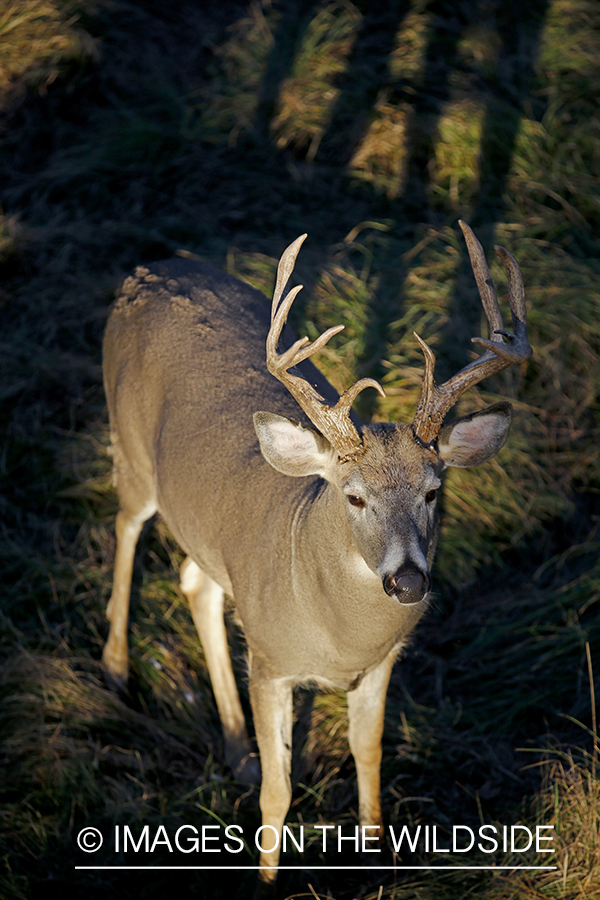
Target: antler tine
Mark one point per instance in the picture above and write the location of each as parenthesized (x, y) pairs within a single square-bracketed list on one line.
[(345, 402), (284, 271), (517, 343), (333, 422), (483, 279), (427, 420), (503, 348)]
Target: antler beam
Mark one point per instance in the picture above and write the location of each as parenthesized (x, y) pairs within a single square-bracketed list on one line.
[(333, 422), (503, 348)]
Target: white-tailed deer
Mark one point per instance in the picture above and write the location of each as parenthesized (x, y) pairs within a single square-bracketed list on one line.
[(321, 529)]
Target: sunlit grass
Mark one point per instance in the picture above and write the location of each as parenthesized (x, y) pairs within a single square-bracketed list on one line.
[(381, 157), (308, 96), (455, 173), (407, 60), (39, 37)]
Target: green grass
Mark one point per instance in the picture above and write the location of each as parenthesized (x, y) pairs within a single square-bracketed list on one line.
[(130, 131)]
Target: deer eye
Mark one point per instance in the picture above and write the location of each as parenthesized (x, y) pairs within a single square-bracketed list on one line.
[(430, 496), (354, 500)]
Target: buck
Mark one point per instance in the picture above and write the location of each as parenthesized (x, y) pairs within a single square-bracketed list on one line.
[(321, 529)]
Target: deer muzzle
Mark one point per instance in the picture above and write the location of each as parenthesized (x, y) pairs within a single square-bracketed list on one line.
[(407, 585)]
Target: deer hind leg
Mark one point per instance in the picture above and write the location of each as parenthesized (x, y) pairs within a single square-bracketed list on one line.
[(206, 601), (366, 708), (115, 655), (272, 711)]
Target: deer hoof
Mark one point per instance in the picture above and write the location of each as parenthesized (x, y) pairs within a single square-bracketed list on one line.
[(116, 669)]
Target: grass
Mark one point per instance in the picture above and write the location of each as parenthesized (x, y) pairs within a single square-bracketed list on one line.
[(130, 131), (40, 40), (308, 96)]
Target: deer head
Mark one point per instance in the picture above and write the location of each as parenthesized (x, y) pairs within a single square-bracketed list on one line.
[(387, 475)]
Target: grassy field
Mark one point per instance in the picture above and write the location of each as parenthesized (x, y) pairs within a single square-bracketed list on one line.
[(131, 130)]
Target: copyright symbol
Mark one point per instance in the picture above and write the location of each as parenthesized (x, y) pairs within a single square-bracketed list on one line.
[(89, 840)]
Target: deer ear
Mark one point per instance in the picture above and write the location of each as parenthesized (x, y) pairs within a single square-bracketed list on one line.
[(471, 440), (290, 447)]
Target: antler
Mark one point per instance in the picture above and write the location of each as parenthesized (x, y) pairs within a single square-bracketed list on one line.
[(437, 400), (333, 422)]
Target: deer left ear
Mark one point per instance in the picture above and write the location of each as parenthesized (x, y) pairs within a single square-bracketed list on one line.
[(473, 439)]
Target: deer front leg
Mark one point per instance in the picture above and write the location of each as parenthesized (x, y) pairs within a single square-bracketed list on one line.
[(366, 708), (206, 601), (115, 655), (272, 711)]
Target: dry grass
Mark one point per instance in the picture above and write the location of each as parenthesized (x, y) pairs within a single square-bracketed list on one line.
[(39, 39), (308, 97), (570, 802)]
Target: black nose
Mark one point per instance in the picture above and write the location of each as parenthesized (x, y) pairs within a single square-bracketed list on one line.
[(407, 585)]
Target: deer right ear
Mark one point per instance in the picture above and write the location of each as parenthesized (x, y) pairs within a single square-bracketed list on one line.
[(290, 447)]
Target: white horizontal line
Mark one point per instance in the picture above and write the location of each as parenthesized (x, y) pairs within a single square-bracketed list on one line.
[(323, 868)]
